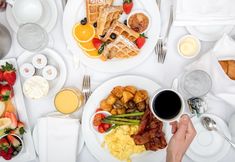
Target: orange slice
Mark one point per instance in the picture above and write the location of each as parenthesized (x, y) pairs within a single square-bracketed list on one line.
[(83, 33), (87, 46), (92, 54)]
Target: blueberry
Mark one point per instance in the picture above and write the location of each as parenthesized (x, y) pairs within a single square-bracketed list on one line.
[(125, 22), (95, 24), (102, 36), (113, 36), (84, 21)]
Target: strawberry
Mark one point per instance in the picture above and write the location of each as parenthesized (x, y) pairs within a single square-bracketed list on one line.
[(98, 44), (19, 130), (6, 92), (141, 41), (7, 157), (13, 118), (1, 75), (127, 6), (9, 73), (14, 141), (4, 145)]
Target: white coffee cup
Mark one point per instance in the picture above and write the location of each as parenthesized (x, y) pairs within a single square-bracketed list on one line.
[(26, 11), (153, 107)]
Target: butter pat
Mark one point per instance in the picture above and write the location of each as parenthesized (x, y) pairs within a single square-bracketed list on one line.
[(189, 46)]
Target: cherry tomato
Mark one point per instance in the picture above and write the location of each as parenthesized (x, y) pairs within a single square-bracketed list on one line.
[(106, 126), (99, 109), (101, 129), (97, 119)]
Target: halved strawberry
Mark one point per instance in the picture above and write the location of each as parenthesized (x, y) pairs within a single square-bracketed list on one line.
[(6, 92), (13, 118), (98, 44), (141, 41), (127, 6), (13, 141), (4, 144), (19, 130), (1, 75), (9, 73)]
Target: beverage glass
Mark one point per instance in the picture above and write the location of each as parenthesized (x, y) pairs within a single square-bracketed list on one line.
[(167, 105), (32, 37)]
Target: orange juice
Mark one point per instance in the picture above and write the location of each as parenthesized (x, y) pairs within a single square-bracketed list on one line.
[(68, 100)]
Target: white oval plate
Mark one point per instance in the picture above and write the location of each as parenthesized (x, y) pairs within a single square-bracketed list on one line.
[(209, 33), (47, 20), (75, 11), (54, 59), (209, 145), (94, 140)]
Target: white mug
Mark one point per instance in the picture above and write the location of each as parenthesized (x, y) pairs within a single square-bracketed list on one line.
[(26, 11), (168, 120)]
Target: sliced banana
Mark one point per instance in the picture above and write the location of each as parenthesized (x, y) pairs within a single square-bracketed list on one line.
[(2, 108), (4, 123)]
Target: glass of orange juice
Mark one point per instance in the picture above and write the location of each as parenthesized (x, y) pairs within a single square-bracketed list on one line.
[(68, 100)]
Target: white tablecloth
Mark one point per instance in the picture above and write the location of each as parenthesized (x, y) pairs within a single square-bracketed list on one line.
[(163, 74)]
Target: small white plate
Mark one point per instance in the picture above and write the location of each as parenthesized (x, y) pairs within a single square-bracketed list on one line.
[(209, 33), (209, 145), (54, 59), (47, 20)]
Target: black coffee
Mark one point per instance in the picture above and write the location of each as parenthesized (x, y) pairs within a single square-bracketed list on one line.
[(167, 104)]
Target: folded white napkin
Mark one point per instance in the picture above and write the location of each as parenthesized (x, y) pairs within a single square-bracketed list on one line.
[(221, 99), (58, 138), (204, 12)]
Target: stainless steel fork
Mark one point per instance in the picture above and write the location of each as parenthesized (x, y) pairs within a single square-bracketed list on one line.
[(86, 87)]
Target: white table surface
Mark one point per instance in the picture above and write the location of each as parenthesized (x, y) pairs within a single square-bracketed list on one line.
[(163, 74)]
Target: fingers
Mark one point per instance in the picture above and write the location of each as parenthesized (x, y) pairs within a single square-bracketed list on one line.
[(191, 132), (183, 127), (174, 126)]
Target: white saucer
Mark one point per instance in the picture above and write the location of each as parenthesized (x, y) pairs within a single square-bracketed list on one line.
[(54, 59), (209, 33), (209, 146), (47, 21)]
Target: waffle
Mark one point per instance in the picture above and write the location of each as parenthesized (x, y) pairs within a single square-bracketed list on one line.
[(107, 15), (92, 9), (120, 29), (120, 48)]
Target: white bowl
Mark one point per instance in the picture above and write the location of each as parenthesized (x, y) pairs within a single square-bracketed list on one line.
[(94, 128), (198, 50), (143, 12)]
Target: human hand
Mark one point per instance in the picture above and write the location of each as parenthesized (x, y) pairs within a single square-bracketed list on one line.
[(184, 133)]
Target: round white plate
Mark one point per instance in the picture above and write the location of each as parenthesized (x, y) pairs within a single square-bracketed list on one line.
[(75, 11), (54, 59), (209, 145), (94, 139), (209, 33), (47, 20), (36, 142)]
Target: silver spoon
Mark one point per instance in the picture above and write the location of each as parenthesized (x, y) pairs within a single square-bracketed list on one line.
[(210, 125)]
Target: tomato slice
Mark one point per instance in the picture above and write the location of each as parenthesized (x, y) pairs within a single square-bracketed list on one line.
[(101, 129), (106, 126), (98, 119)]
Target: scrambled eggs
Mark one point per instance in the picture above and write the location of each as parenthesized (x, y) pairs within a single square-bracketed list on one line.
[(120, 143)]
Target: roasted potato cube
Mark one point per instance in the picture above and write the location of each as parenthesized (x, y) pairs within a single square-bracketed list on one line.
[(118, 91), (121, 111), (105, 106), (141, 106), (111, 99), (140, 96), (127, 96), (131, 89), (114, 112)]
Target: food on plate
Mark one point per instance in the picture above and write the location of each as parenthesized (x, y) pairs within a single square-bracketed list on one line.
[(107, 15), (138, 21), (83, 21), (117, 28), (6, 92), (97, 121), (93, 54), (99, 45), (120, 48), (27, 70), (229, 68), (87, 46), (2, 108), (9, 106), (8, 74), (125, 99), (36, 87), (141, 41), (127, 6), (39, 61), (150, 133), (120, 143), (68, 100), (93, 9), (10, 146), (49, 72), (83, 33), (5, 123), (189, 46)]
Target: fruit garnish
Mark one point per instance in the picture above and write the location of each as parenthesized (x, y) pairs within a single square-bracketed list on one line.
[(9, 106), (84, 21), (87, 46), (2, 108), (95, 24), (98, 44), (127, 6), (13, 141), (5, 123), (4, 145), (141, 40), (13, 119), (1, 75), (9, 73), (92, 54), (83, 33), (6, 92), (113, 36), (19, 130), (125, 22)]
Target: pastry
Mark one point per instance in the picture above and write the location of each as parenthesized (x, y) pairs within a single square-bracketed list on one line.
[(224, 65), (107, 15), (92, 9), (120, 48), (231, 69), (120, 29)]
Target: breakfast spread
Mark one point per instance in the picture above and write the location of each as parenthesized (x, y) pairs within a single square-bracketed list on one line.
[(102, 35), (229, 68)]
